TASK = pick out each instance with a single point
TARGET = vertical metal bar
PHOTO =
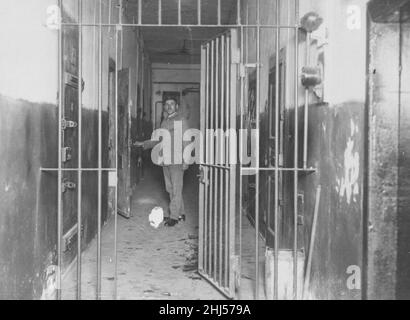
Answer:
(219, 12)
(199, 12)
(221, 153)
(206, 170)
(201, 184)
(59, 178)
(142, 82)
(233, 45)
(116, 165)
(211, 153)
(215, 158)
(277, 114)
(238, 14)
(160, 12)
(137, 73)
(79, 172)
(117, 31)
(227, 143)
(139, 12)
(295, 205)
(306, 111)
(242, 93)
(312, 242)
(98, 288)
(179, 13)
(257, 151)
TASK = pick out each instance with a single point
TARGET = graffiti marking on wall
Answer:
(348, 185)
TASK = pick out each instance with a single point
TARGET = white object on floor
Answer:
(156, 217)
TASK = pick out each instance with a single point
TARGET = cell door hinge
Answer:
(66, 154)
(67, 185)
(68, 124)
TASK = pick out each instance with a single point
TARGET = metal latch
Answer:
(66, 154)
(67, 185)
(68, 124)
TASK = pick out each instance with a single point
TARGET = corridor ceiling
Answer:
(179, 45)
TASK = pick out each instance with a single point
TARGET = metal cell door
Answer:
(70, 150)
(217, 191)
(124, 146)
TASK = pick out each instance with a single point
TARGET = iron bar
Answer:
(257, 153)
(137, 74)
(241, 102)
(232, 45)
(201, 183)
(238, 14)
(211, 153)
(249, 26)
(160, 12)
(221, 157)
(59, 179)
(279, 169)
(117, 31)
(312, 242)
(276, 200)
(199, 12)
(206, 170)
(98, 287)
(306, 111)
(79, 173)
(216, 106)
(139, 13)
(179, 13)
(142, 84)
(219, 13)
(296, 150)
(226, 160)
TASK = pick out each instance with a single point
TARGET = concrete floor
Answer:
(159, 263)
(152, 263)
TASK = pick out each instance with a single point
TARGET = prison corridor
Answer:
(152, 263)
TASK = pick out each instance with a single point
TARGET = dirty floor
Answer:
(152, 263)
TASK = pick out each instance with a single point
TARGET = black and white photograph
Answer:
(224, 151)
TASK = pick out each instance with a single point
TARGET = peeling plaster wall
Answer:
(389, 197)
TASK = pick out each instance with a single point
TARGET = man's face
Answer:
(170, 106)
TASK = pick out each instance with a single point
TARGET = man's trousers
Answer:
(174, 182)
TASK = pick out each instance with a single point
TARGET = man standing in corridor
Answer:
(174, 172)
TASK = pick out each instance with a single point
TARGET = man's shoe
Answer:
(170, 222)
(181, 217)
